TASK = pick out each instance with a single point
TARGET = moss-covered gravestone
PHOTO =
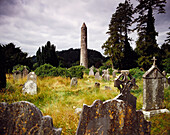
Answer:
(24, 118)
(153, 91)
(114, 117)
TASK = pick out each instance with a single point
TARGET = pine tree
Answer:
(2, 69)
(47, 55)
(117, 46)
(147, 46)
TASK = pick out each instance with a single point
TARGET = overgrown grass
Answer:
(56, 98)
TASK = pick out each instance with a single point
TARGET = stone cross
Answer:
(154, 61)
(124, 82)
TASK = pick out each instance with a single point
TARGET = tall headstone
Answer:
(153, 91)
(24, 118)
(30, 87)
(91, 72)
(83, 53)
(114, 117)
(97, 76)
(24, 72)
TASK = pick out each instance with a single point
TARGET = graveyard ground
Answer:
(56, 98)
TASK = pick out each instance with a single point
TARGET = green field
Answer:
(56, 98)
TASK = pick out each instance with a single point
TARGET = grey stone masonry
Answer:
(83, 53)
(30, 87)
(114, 117)
(153, 91)
(24, 118)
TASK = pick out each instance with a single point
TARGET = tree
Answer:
(2, 68)
(147, 46)
(14, 56)
(165, 54)
(47, 55)
(117, 46)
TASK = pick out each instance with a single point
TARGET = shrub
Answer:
(44, 70)
(19, 68)
(86, 71)
(136, 72)
(76, 71)
(110, 71)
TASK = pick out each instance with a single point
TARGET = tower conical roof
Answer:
(84, 25)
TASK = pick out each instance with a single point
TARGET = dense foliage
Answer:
(2, 68)
(47, 54)
(49, 70)
(147, 46)
(14, 56)
(136, 73)
(117, 47)
(19, 68)
(71, 57)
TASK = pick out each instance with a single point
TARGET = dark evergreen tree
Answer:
(47, 55)
(2, 68)
(117, 46)
(165, 54)
(14, 56)
(147, 46)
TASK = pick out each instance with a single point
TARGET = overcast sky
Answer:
(29, 24)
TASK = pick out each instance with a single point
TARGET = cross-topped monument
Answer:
(154, 61)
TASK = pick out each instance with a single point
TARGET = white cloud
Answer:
(31, 23)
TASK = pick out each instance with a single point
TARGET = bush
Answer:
(86, 71)
(44, 70)
(136, 72)
(76, 71)
(19, 68)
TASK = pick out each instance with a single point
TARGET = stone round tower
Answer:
(83, 53)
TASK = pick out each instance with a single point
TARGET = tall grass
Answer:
(59, 100)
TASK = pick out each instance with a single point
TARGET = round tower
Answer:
(83, 53)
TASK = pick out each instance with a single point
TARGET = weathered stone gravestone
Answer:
(24, 72)
(32, 76)
(91, 72)
(114, 74)
(17, 75)
(153, 91)
(24, 118)
(106, 75)
(74, 82)
(115, 116)
(30, 87)
(97, 76)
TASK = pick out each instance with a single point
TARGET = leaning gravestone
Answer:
(30, 86)
(114, 117)
(24, 118)
(74, 82)
(153, 91)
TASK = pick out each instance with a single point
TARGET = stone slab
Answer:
(149, 114)
(112, 117)
(24, 118)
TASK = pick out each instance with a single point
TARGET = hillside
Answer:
(71, 57)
